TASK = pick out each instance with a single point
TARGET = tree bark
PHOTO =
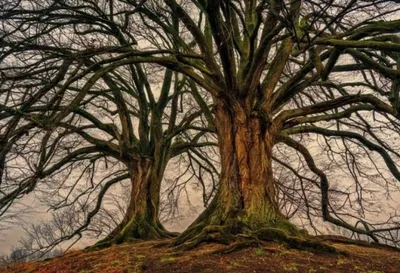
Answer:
(245, 202)
(141, 217)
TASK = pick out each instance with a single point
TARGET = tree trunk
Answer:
(245, 202)
(141, 218)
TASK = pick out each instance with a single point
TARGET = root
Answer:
(170, 234)
(134, 232)
(99, 245)
(305, 243)
(209, 234)
(166, 233)
(348, 241)
(187, 234)
(164, 243)
(237, 246)
(279, 236)
(234, 242)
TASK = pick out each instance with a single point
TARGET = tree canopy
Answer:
(303, 97)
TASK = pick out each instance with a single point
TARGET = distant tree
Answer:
(21, 254)
(18, 254)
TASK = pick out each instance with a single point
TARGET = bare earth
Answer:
(144, 257)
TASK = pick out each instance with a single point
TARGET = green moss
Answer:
(167, 259)
(341, 261)
(272, 234)
(310, 244)
(233, 265)
(259, 252)
(289, 228)
(284, 253)
(227, 227)
(99, 245)
(137, 228)
(292, 267)
(115, 262)
(140, 256)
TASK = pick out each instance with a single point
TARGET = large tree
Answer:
(275, 72)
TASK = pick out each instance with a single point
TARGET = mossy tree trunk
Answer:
(141, 218)
(246, 199)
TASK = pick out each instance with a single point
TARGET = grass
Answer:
(259, 252)
(167, 259)
(341, 261)
(284, 253)
(140, 256)
(143, 257)
(115, 262)
(292, 267)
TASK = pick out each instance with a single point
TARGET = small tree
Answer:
(79, 117)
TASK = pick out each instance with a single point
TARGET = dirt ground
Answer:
(147, 257)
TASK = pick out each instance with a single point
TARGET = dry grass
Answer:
(143, 257)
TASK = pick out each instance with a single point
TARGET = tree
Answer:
(18, 254)
(80, 118)
(273, 69)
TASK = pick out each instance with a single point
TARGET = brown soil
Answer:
(147, 257)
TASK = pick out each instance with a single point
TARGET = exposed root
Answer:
(187, 234)
(234, 242)
(210, 234)
(305, 243)
(170, 234)
(166, 233)
(345, 240)
(164, 243)
(99, 245)
(237, 246)
(134, 232)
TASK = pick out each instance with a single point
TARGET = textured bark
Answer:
(245, 202)
(141, 218)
